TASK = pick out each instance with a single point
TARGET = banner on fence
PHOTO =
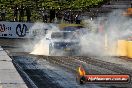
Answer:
(22, 29)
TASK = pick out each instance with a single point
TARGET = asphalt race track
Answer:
(60, 72)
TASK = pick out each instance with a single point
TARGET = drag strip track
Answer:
(40, 79)
(36, 77)
(74, 62)
(66, 62)
(25, 77)
(110, 66)
(70, 64)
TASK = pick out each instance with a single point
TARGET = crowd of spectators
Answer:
(61, 16)
(19, 13)
(3, 13)
(72, 17)
(22, 13)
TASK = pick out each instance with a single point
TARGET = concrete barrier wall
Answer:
(123, 48)
(129, 49)
(9, 77)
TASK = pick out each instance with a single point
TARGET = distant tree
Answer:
(35, 5)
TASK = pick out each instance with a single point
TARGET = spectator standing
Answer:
(28, 14)
(65, 17)
(78, 19)
(52, 15)
(45, 15)
(59, 16)
(71, 18)
(16, 13)
(68, 17)
(21, 13)
(3, 13)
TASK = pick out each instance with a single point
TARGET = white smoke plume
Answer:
(41, 46)
(115, 26)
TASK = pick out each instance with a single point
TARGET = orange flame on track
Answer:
(81, 71)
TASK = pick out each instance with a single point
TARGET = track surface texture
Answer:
(36, 68)
(60, 72)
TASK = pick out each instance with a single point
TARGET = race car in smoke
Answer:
(63, 43)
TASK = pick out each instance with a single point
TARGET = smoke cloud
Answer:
(94, 42)
(115, 27)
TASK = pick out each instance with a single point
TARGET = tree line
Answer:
(57, 4)
(36, 5)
